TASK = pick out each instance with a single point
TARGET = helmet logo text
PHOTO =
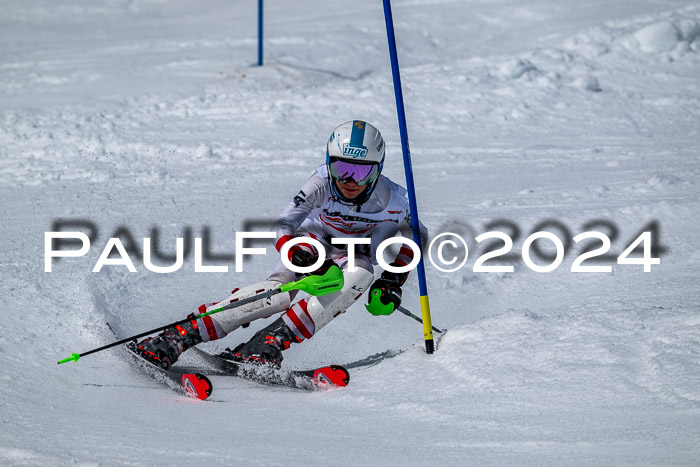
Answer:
(354, 152)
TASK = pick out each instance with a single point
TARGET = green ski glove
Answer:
(384, 297)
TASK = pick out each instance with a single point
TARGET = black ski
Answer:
(310, 380)
(378, 358)
(373, 359)
(195, 385)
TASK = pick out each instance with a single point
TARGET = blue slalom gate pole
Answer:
(424, 302)
(260, 32)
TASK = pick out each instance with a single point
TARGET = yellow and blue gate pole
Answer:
(415, 225)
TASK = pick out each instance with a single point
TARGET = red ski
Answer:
(195, 385)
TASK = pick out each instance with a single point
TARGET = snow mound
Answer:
(521, 367)
(587, 83)
(661, 180)
(516, 68)
(668, 35)
(590, 60)
(616, 355)
(671, 37)
(658, 37)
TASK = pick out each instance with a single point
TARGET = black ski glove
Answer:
(303, 255)
(303, 258)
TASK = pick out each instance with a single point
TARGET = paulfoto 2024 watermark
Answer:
(447, 252)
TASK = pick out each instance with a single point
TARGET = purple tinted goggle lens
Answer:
(361, 173)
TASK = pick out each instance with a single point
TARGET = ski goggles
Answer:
(344, 171)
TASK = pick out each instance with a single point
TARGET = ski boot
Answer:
(165, 348)
(265, 347)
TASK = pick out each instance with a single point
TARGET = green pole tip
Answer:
(73, 358)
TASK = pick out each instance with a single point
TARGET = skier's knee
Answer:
(309, 315)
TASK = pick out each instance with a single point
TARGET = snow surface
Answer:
(148, 113)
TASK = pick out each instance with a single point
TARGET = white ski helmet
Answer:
(355, 151)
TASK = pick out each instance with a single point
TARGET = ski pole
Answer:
(330, 282)
(408, 313)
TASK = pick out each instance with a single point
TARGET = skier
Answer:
(347, 197)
